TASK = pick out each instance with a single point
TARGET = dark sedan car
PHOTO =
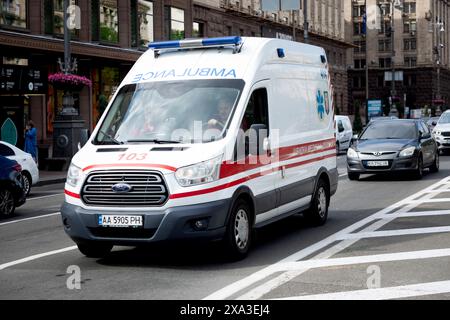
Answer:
(393, 145)
(12, 192)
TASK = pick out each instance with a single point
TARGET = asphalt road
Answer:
(390, 234)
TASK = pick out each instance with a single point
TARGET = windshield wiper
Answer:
(157, 141)
(114, 140)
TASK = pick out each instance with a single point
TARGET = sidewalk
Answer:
(51, 177)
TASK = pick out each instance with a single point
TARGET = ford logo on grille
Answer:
(121, 188)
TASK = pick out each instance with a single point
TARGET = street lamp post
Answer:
(393, 90)
(439, 30)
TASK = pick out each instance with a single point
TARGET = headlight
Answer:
(73, 175)
(351, 153)
(408, 152)
(200, 173)
(437, 133)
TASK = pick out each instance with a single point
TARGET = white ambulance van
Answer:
(206, 139)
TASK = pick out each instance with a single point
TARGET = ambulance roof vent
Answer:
(234, 42)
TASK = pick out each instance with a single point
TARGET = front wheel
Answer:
(239, 231)
(318, 212)
(26, 183)
(7, 205)
(94, 250)
(418, 174)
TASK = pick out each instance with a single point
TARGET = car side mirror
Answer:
(434, 123)
(341, 129)
(355, 137)
(257, 135)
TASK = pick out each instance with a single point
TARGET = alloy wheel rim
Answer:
(26, 184)
(6, 202)
(322, 202)
(241, 229)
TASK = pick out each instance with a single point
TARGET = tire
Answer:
(353, 176)
(418, 174)
(26, 183)
(238, 237)
(7, 204)
(94, 250)
(318, 212)
(435, 166)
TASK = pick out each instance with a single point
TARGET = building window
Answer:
(409, 7)
(410, 80)
(108, 21)
(384, 62)
(361, 46)
(357, 28)
(14, 13)
(198, 29)
(360, 63)
(409, 26)
(142, 28)
(54, 17)
(410, 61)
(358, 11)
(174, 23)
(384, 45)
(410, 44)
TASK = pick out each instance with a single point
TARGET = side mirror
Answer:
(258, 135)
(341, 129)
(434, 123)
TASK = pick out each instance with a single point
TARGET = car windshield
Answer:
(390, 130)
(193, 111)
(445, 118)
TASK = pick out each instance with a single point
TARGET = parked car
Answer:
(30, 171)
(12, 193)
(383, 118)
(395, 145)
(441, 131)
(344, 133)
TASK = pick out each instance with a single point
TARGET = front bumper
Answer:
(396, 164)
(443, 143)
(170, 224)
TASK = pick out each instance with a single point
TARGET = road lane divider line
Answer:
(394, 233)
(35, 257)
(353, 260)
(400, 292)
(434, 200)
(414, 214)
(242, 284)
(31, 218)
(44, 197)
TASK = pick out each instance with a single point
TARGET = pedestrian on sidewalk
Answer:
(31, 140)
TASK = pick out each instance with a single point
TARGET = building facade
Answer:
(412, 39)
(109, 36)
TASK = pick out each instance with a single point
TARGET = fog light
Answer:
(200, 225)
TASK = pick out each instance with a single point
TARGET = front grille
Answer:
(382, 153)
(147, 189)
(126, 233)
(445, 134)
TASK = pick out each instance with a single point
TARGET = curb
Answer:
(49, 182)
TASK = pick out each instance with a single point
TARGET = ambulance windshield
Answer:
(195, 111)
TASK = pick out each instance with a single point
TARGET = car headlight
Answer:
(351, 153)
(438, 133)
(73, 175)
(407, 152)
(200, 173)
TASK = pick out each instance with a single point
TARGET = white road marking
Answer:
(343, 175)
(260, 275)
(44, 197)
(345, 261)
(394, 233)
(32, 218)
(435, 200)
(35, 257)
(414, 290)
(413, 214)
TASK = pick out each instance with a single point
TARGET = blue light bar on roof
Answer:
(196, 43)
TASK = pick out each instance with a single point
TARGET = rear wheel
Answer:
(238, 235)
(353, 176)
(94, 250)
(435, 166)
(7, 205)
(26, 183)
(318, 212)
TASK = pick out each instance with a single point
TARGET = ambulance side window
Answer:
(256, 113)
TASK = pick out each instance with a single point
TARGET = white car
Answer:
(344, 133)
(30, 170)
(441, 132)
